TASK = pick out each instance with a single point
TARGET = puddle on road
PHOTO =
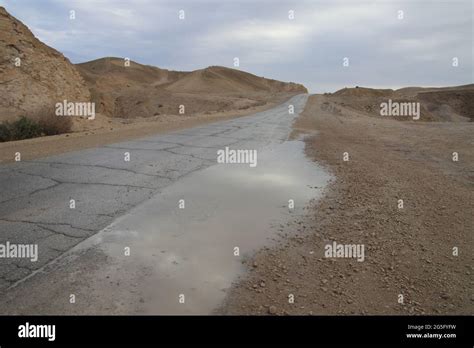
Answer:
(191, 251)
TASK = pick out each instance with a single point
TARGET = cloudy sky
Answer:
(384, 46)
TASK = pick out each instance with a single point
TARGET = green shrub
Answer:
(25, 128)
(5, 132)
(43, 122)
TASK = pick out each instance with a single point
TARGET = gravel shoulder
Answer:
(408, 251)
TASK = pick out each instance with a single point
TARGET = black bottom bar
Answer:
(135, 330)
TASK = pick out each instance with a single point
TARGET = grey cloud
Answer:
(383, 50)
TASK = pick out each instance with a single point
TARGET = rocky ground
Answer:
(408, 251)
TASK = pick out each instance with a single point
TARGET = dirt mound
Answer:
(118, 72)
(33, 75)
(449, 104)
(113, 81)
(363, 92)
(221, 80)
(138, 91)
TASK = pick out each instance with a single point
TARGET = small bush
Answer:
(43, 122)
(51, 124)
(5, 132)
(25, 128)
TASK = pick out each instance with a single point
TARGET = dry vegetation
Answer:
(41, 123)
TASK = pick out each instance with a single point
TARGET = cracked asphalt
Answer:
(35, 195)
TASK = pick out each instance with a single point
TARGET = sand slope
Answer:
(454, 104)
(113, 84)
(220, 80)
(138, 90)
(43, 78)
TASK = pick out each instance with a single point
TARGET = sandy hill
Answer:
(437, 104)
(113, 70)
(43, 78)
(363, 92)
(412, 91)
(118, 89)
(143, 91)
(219, 80)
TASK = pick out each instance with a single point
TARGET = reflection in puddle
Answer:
(191, 251)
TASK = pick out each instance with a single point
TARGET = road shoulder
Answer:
(409, 266)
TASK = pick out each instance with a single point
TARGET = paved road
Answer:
(36, 195)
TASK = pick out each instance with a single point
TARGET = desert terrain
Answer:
(418, 257)
(443, 104)
(409, 250)
(130, 99)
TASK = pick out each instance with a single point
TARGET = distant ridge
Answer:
(455, 103)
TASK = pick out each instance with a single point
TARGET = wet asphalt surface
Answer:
(107, 182)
